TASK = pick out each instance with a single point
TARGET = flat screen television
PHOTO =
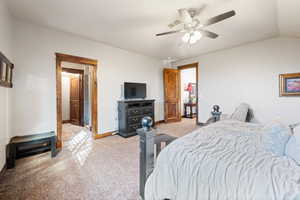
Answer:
(135, 90)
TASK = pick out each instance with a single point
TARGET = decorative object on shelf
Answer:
(6, 72)
(289, 84)
(216, 109)
(216, 112)
(216, 115)
(147, 123)
(191, 88)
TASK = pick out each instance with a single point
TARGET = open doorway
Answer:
(189, 91)
(76, 98)
(181, 93)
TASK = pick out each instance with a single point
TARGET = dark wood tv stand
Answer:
(130, 114)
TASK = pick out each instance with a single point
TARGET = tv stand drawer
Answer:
(133, 127)
(148, 110)
(134, 120)
(134, 112)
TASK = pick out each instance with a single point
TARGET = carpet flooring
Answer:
(85, 169)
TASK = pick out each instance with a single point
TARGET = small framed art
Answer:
(289, 84)
(6, 72)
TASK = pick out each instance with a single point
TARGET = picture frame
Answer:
(6, 71)
(289, 84)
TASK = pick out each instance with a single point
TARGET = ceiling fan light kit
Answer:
(193, 27)
(192, 37)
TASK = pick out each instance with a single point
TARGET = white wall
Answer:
(65, 84)
(34, 95)
(186, 76)
(249, 74)
(5, 48)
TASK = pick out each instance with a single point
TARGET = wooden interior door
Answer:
(76, 100)
(172, 95)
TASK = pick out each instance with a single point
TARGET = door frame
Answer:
(94, 101)
(81, 94)
(189, 66)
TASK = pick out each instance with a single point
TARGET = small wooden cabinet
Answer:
(131, 112)
(191, 113)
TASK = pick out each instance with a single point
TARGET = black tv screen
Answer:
(135, 90)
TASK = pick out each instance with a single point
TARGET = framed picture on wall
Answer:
(6, 72)
(289, 84)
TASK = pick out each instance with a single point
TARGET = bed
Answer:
(225, 160)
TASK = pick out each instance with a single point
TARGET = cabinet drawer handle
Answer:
(134, 119)
(135, 127)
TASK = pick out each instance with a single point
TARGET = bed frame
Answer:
(293, 126)
(150, 146)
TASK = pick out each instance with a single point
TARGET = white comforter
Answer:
(223, 161)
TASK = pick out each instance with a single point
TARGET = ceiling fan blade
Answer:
(185, 16)
(208, 34)
(196, 11)
(167, 33)
(219, 18)
(175, 23)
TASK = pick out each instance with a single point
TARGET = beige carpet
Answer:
(104, 169)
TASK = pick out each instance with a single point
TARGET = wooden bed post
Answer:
(146, 156)
(148, 141)
(293, 126)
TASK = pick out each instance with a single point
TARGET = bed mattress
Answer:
(225, 160)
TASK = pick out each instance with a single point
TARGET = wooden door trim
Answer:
(189, 66)
(81, 94)
(76, 59)
(94, 101)
(73, 71)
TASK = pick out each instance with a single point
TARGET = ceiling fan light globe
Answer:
(193, 40)
(197, 35)
(186, 37)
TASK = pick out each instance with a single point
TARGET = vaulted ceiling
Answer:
(132, 24)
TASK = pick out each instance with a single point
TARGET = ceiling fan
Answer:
(193, 27)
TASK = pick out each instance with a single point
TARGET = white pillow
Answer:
(240, 112)
(292, 149)
(275, 137)
(224, 117)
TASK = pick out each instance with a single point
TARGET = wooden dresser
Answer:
(131, 112)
